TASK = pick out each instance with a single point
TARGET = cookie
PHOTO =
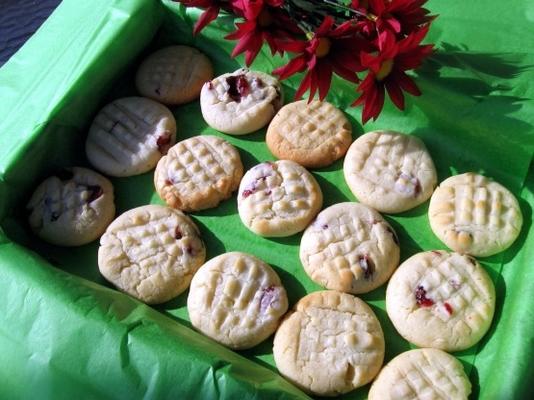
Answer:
(151, 253)
(441, 300)
(198, 173)
(71, 208)
(330, 344)
(278, 198)
(173, 75)
(349, 247)
(312, 134)
(240, 102)
(472, 214)
(129, 136)
(237, 300)
(421, 374)
(389, 171)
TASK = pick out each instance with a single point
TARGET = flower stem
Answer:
(342, 7)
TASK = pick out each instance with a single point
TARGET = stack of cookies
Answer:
(331, 342)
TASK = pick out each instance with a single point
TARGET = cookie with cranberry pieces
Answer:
(151, 253)
(389, 171)
(441, 300)
(474, 215)
(72, 208)
(330, 344)
(421, 374)
(237, 300)
(278, 198)
(198, 173)
(173, 75)
(129, 136)
(240, 102)
(349, 247)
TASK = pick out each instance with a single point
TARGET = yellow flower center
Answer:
(265, 18)
(323, 48)
(385, 70)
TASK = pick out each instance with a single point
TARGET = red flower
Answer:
(330, 50)
(264, 21)
(212, 8)
(386, 71)
(398, 16)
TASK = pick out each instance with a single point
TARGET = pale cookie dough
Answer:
(349, 247)
(472, 214)
(389, 171)
(129, 136)
(151, 253)
(72, 208)
(441, 300)
(278, 198)
(422, 374)
(198, 173)
(312, 134)
(237, 300)
(240, 102)
(330, 344)
(173, 75)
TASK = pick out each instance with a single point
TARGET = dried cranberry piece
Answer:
(246, 193)
(190, 250)
(163, 143)
(448, 307)
(367, 265)
(422, 300)
(178, 233)
(239, 87)
(168, 182)
(96, 192)
(268, 297)
(64, 175)
(210, 85)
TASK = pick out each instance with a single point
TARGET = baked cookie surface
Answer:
(389, 171)
(71, 208)
(472, 214)
(441, 300)
(331, 343)
(349, 247)
(237, 300)
(151, 252)
(198, 173)
(173, 75)
(129, 136)
(421, 374)
(278, 198)
(240, 102)
(313, 135)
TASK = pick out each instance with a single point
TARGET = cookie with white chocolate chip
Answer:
(72, 208)
(237, 300)
(331, 343)
(472, 214)
(151, 252)
(349, 247)
(389, 171)
(240, 102)
(441, 300)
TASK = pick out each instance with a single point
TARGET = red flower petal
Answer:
(407, 84)
(325, 26)
(324, 77)
(297, 64)
(205, 18)
(395, 93)
(304, 85)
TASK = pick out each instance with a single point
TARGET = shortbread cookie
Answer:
(198, 173)
(441, 300)
(278, 198)
(240, 102)
(330, 344)
(151, 253)
(312, 134)
(349, 247)
(472, 214)
(389, 171)
(421, 374)
(72, 208)
(129, 136)
(237, 300)
(173, 75)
